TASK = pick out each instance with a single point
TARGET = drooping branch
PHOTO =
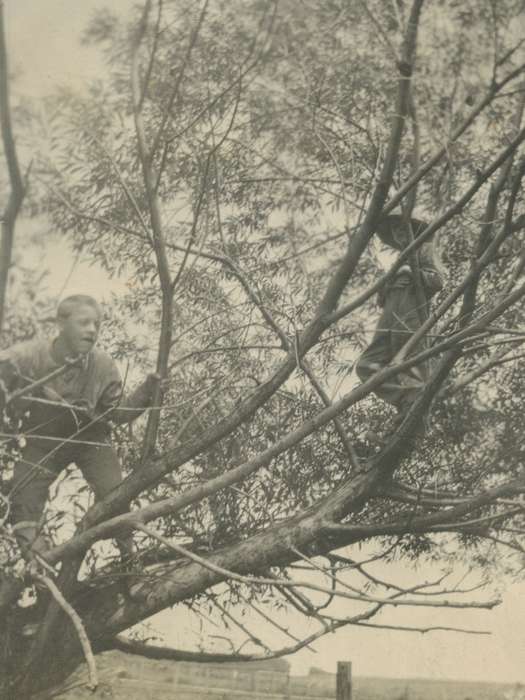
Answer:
(329, 627)
(353, 593)
(172, 582)
(268, 618)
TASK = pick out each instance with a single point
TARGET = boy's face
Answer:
(80, 329)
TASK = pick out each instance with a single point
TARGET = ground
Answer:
(124, 677)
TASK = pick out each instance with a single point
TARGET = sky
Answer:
(44, 52)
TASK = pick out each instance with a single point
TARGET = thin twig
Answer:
(78, 625)
(44, 380)
(257, 580)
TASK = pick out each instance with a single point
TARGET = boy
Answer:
(401, 316)
(66, 419)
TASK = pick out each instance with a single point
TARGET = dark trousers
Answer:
(398, 322)
(48, 453)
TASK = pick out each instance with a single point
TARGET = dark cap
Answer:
(392, 228)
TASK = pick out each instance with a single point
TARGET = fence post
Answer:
(344, 680)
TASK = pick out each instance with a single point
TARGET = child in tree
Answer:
(402, 314)
(66, 419)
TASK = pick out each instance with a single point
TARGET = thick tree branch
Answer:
(17, 192)
(441, 518)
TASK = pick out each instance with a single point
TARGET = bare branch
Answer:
(493, 90)
(77, 623)
(159, 244)
(440, 519)
(490, 215)
(18, 189)
(269, 619)
(359, 241)
(150, 651)
(423, 630)
(153, 54)
(495, 360)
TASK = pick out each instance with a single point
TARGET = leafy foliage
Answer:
(266, 128)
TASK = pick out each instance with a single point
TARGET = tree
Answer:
(17, 186)
(234, 168)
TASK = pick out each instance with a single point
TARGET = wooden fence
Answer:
(215, 682)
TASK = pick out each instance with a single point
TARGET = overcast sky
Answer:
(44, 48)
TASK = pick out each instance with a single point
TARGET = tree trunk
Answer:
(16, 195)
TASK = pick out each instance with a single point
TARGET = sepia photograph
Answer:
(262, 350)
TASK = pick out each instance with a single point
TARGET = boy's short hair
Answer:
(67, 305)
